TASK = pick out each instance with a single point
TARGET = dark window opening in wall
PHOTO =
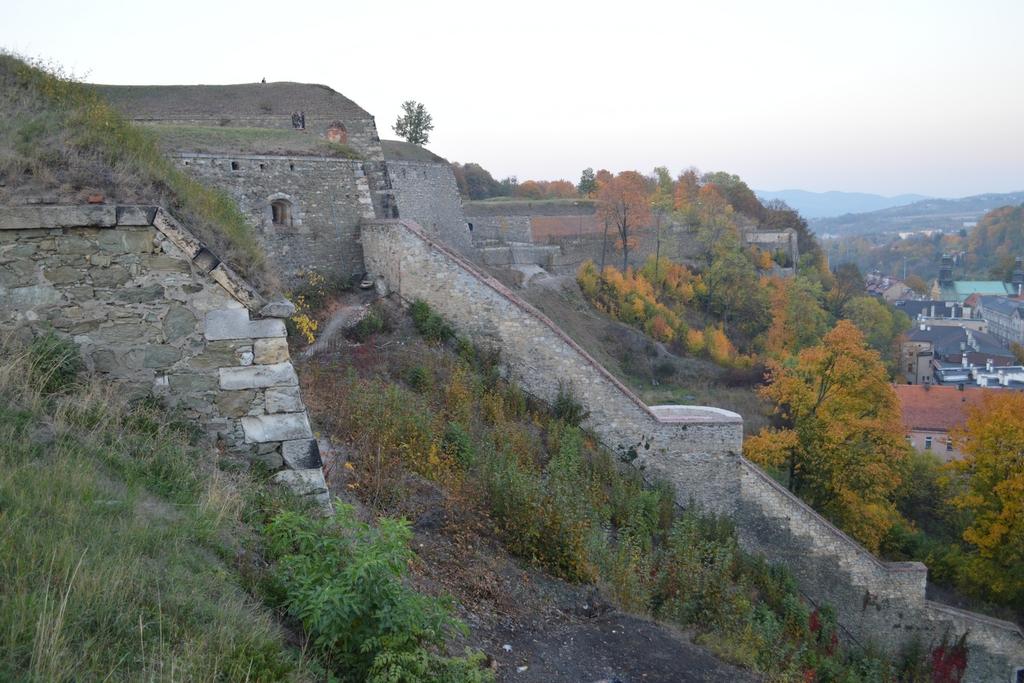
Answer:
(187, 163)
(927, 443)
(263, 167)
(234, 165)
(291, 167)
(470, 226)
(281, 212)
(949, 444)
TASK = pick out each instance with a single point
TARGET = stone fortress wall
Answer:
(695, 448)
(326, 197)
(155, 311)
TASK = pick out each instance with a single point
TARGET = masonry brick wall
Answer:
(148, 310)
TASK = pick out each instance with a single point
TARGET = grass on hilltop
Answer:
(60, 140)
(228, 139)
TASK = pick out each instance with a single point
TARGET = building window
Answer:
(927, 443)
(281, 212)
(234, 165)
(949, 444)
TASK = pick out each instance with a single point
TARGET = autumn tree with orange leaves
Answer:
(841, 444)
(992, 475)
(623, 202)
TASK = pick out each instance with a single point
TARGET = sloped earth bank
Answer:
(534, 628)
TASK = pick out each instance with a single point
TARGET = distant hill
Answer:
(945, 214)
(826, 204)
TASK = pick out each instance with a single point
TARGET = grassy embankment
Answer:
(127, 552)
(59, 139)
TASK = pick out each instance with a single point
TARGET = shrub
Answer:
(567, 407)
(54, 363)
(419, 378)
(344, 580)
(429, 324)
(369, 325)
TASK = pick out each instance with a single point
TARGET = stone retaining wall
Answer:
(155, 311)
(697, 449)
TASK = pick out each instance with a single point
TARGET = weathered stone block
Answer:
(270, 457)
(101, 260)
(73, 244)
(33, 217)
(135, 215)
(160, 356)
(185, 383)
(301, 454)
(302, 482)
(231, 323)
(63, 275)
(29, 297)
(139, 295)
(235, 403)
(178, 322)
(234, 323)
(283, 400)
(115, 276)
(272, 350)
(217, 354)
(280, 427)
(258, 377)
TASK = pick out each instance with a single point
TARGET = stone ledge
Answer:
(280, 427)
(258, 376)
(58, 216)
(234, 323)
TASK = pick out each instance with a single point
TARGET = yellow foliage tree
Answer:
(842, 446)
(993, 476)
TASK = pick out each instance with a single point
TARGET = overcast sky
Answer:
(888, 97)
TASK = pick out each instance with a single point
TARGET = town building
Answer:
(931, 413)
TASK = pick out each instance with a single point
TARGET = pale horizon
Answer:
(922, 98)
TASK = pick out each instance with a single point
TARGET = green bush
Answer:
(54, 363)
(343, 579)
(429, 324)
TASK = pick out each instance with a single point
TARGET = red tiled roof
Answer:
(935, 408)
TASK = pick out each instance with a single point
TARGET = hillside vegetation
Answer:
(437, 409)
(129, 553)
(59, 141)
